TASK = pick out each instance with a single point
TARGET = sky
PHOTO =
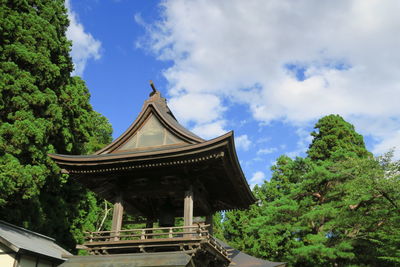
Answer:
(266, 69)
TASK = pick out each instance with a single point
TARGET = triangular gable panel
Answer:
(155, 127)
(151, 134)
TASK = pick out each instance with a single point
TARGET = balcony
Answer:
(189, 239)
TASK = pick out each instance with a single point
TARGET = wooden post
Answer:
(149, 224)
(209, 220)
(117, 217)
(188, 208)
(143, 235)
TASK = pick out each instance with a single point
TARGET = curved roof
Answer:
(150, 153)
(155, 106)
(155, 148)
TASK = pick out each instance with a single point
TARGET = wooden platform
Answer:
(188, 239)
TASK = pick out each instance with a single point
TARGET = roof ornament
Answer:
(153, 87)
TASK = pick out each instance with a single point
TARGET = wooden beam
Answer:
(117, 217)
(188, 208)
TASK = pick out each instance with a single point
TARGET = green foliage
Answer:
(334, 138)
(218, 230)
(43, 110)
(336, 207)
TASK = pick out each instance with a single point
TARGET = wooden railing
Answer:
(194, 231)
(144, 239)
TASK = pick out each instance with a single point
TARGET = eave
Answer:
(218, 152)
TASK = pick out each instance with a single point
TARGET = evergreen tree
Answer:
(336, 207)
(335, 138)
(370, 218)
(43, 110)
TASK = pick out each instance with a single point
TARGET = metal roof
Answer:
(18, 238)
(241, 259)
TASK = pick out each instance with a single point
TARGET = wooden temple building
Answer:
(160, 171)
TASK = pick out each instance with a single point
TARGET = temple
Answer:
(159, 171)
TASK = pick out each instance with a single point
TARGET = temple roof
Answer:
(157, 158)
(155, 117)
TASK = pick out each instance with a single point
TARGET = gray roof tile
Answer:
(18, 238)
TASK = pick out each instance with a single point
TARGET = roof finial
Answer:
(152, 87)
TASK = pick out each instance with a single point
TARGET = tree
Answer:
(334, 138)
(371, 217)
(269, 229)
(335, 207)
(43, 110)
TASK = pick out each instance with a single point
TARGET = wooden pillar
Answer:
(117, 217)
(188, 208)
(209, 220)
(149, 224)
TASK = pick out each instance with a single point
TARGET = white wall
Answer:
(6, 256)
(29, 261)
(7, 259)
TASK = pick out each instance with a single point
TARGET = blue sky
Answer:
(266, 69)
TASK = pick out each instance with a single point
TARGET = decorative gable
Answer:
(155, 127)
(151, 134)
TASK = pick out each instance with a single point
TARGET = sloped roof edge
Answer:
(21, 239)
(221, 143)
(156, 105)
(107, 158)
(241, 259)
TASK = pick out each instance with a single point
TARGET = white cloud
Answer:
(392, 142)
(243, 142)
(257, 178)
(287, 60)
(84, 45)
(264, 140)
(385, 131)
(303, 142)
(265, 151)
(199, 108)
(205, 111)
(210, 130)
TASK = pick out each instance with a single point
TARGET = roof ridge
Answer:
(157, 98)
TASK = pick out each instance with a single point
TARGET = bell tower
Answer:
(159, 170)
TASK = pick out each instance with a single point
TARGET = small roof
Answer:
(156, 159)
(241, 259)
(20, 239)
